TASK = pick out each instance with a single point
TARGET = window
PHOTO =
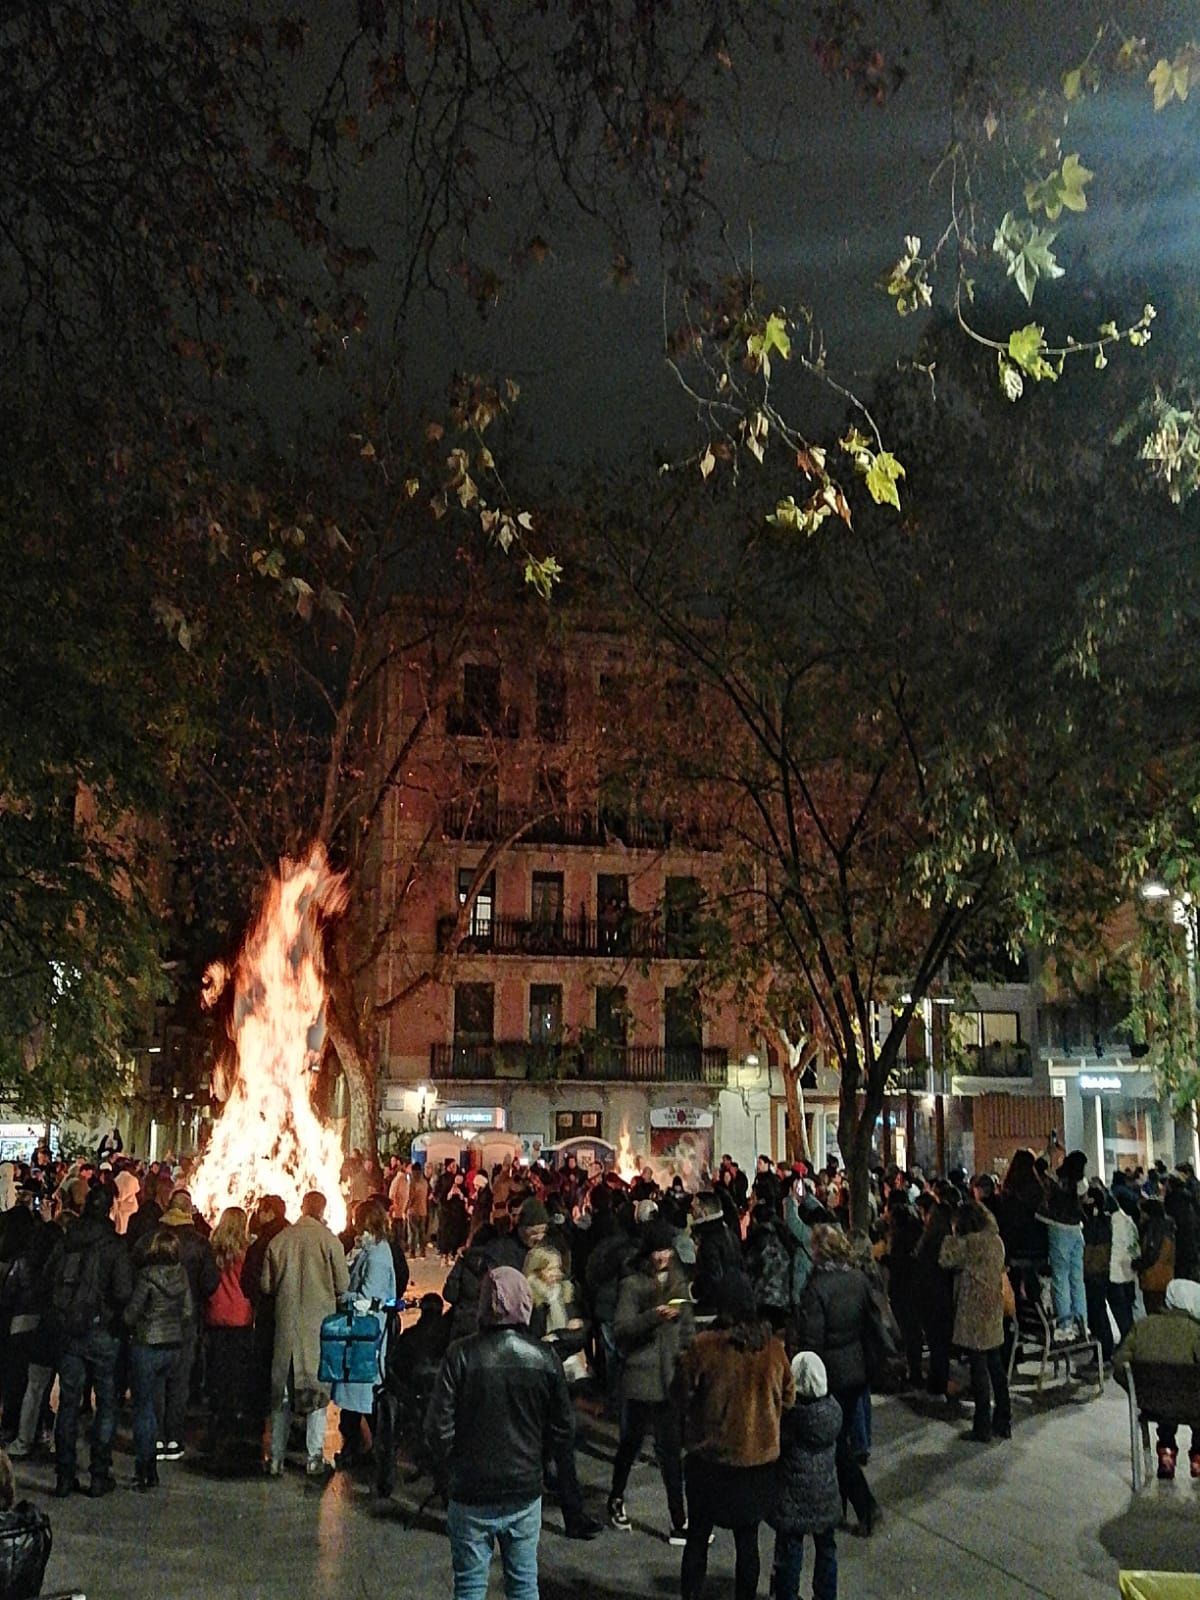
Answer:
(479, 711)
(484, 907)
(614, 705)
(612, 1017)
(551, 718)
(975, 1028)
(576, 1125)
(480, 802)
(612, 912)
(681, 919)
(474, 1009)
(547, 899)
(545, 1013)
(682, 1023)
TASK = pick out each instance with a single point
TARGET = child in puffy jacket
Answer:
(809, 1499)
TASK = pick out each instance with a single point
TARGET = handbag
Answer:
(1007, 1296)
(349, 1348)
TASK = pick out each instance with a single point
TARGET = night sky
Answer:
(819, 190)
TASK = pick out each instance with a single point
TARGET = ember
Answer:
(269, 1139)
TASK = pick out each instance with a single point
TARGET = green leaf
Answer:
(882, 476)
(772, 336)
(542, 574)
(1073, 83)
(1026, 347)
(1062, 189)
(1026, 250)
(1012, 384)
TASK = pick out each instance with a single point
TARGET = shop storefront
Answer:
(1113, 1112)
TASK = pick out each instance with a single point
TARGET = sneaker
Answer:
(171, 1451)
(318, 1467)
(1167, 1456)
(273, 1469)
(18, 1450)
(678, 1536)
(618, 1517)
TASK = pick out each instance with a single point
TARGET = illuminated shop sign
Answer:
(1092, 1084)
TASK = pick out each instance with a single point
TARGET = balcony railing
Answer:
(999, 1061)
(595, 829)
(596, 1062)
(633, 934)
(464, 720)
(909, 1079)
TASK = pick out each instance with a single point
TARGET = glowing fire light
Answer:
(269, 1140)
(627, 1164)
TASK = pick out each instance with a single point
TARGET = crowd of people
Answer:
(743, 1327)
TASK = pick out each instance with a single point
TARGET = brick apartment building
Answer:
(553, 906)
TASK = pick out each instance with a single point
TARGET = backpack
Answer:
(76, 1299)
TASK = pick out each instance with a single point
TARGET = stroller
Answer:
(410, 1371)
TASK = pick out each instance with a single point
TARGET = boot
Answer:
(1167, 1456)
(145, 1475)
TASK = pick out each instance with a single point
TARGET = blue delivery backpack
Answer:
(349, 1348)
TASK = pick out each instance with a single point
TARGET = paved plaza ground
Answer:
(1051, 1513)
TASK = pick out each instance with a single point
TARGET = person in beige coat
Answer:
(305, 1270)
(975, 1254)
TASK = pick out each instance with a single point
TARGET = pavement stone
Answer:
(1049, 1514)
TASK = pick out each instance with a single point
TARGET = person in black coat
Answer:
(933, 1290)
(834, 1320)
(1181, 1208)
(718, 1252)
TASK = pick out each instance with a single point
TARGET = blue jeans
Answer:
(1066, 1275)
(149, 1365)
(90, 1359)
(474, 1530)
(789, 1563)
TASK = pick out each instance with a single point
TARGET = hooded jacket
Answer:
(116, 1276)
(161, 1308)
(808, 1501)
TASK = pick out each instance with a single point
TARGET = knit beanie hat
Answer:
(533, 1214)
(505, 1299)
(808, 1370)
(658, 1234)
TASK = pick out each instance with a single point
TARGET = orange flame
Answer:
(269, 1139)
(627, 1163)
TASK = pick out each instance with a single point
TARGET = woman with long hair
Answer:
(735, 1381)
(157, 1317)
(975, 1253)
(372, 1277)
(229, 1320)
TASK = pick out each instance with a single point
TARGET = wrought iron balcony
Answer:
(594, 1062)
(631, 934)
(595, 830)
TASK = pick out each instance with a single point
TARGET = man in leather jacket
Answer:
(499, 1408)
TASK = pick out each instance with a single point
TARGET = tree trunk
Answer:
(799, 1058)
(356, 1065)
